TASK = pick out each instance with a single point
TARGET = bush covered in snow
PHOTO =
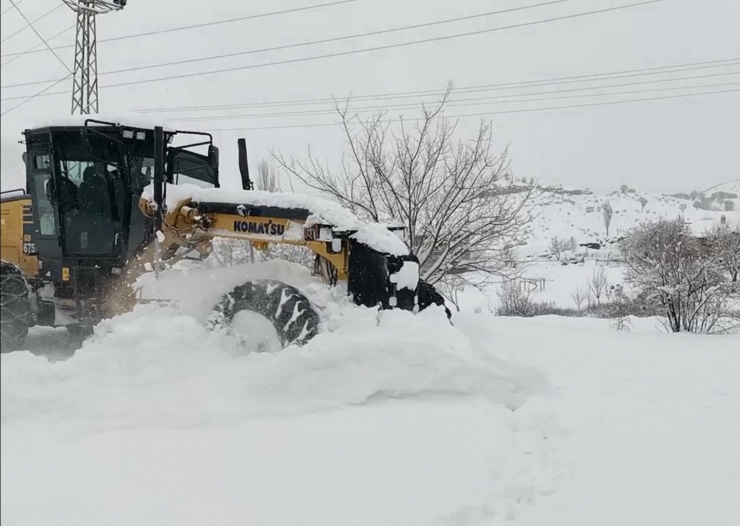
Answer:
(680, 275)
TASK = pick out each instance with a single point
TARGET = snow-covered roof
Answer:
(135, 120)
(381, 239)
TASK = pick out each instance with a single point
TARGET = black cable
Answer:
(39, 94)
(205, 24)
(28, 24)
(336, 39)
(10, 8)
(19, 55)
(304, 44)
(486, 114)
(472, 89)
(366, 50)
(477, 101)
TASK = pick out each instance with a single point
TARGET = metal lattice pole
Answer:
(85, 73)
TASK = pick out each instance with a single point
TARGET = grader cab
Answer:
(105, 202)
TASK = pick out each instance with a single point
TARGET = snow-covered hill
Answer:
(576, 213)
(576, 217)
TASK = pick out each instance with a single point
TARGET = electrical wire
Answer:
(488, 114)
(309, 43)
(206, 24)
(336, 39)
(679, 68)
(28, 24)
(19, 55)
(10, 8)
(371, 49)
(476, 101)
(39, 94)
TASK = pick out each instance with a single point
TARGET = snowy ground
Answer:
(397, 419)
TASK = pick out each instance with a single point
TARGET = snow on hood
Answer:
(325, 211)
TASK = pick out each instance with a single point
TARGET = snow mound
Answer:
(159, 367)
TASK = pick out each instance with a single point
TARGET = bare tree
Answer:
(643, 203)
(619, 311)
(579, 296)
(674, 272)
(724, 243)
(598, 284)
(608, 212)
(461, 214)
(557, 247)
(267, 179)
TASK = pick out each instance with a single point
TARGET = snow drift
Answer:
(158, 366)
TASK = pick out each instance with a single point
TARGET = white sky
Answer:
(656, 146)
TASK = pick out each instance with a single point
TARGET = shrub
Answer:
(679, 276)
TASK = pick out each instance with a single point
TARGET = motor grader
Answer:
(106, 202)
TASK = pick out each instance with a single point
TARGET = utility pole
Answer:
(85, 74)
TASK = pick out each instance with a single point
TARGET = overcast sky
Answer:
(657, 146)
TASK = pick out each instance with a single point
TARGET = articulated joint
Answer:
(190, 213)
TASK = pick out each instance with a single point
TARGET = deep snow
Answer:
(381, 419)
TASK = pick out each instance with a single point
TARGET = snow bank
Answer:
(326, 211)
(159, 367)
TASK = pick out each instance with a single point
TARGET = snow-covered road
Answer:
(402, 421)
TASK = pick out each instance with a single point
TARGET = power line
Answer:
(678, 68)
(39, 94)
(206, 24)
(371, 49)
(475, 101)
(10, 8)
(19, 55)
(337, 39)
(28, 24)
(312, 42)
(487, 114)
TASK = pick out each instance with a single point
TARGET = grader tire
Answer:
(292, 315)
(15, 308)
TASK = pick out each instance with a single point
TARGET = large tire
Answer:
(16, 315)
(294, 318)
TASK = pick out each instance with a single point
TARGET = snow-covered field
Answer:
(390, 419)
(578, 218)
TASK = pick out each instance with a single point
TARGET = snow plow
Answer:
(106, 202)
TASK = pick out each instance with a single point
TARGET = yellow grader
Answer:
(106, 202)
